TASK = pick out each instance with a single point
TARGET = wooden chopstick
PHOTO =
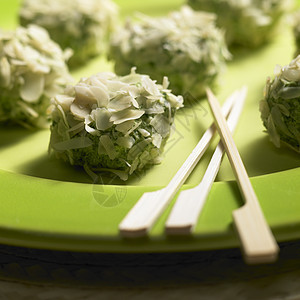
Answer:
(189, 203)
(151, 205)
(258, 242)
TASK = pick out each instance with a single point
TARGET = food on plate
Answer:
(185, 46)
(110, 123)
(32, 70)
(81, 25)
(280, 108)
(248, 23)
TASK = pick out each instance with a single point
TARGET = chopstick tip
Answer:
(208, 91)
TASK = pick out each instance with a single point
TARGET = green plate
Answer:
(48, 204)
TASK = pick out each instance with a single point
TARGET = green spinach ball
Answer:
(185, 46)
(32, 70)
(116, 124)
(82, 26)
(280, 108)
(248, 23)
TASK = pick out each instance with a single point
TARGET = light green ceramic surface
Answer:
(47, 204)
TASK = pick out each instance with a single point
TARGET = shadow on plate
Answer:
(264, 158)
(48, 167)
(239, 52)
(12, 134)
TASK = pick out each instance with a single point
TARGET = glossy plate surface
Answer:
(48, 204)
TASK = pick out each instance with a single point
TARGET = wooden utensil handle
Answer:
(255, 235)
(258, 243)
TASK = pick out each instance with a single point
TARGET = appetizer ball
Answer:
(185, 46)
(280, 108)
(247, 23)
(107, 123)
(81, 25)
(32, 71)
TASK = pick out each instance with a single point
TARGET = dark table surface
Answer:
(219, 274)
